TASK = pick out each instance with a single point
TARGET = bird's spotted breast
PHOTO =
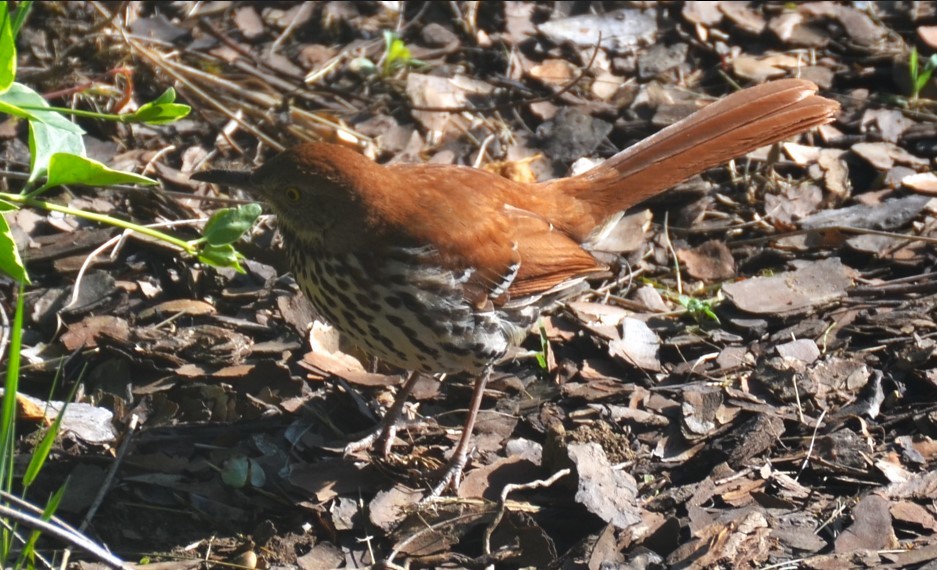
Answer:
(406, 312)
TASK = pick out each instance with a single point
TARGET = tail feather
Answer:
(721, 131)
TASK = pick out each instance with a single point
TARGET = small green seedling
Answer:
(541, 355)
(699, 309)
(396, 54)
(920, 75)
(225, 227)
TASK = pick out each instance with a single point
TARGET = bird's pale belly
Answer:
(414, 317)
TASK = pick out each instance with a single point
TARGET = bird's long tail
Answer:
(721, 131)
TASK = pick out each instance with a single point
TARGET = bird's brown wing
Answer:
(482, 221)
(549, 258)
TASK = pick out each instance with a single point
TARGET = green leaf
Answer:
(541, 360)
(54, 501)
(23, 102)
(221, 256)
(7, 49)
(235, 472)
(541, 355)
(161, 110)
(41, 453)
(926, 74)
(239, 471)
(19, 17)
(45, 142)
(11, 387)
(227, 225)
(396, 53)
(66, 168)
(167, 96)
(52, 505)
(10, 261)
(49, 132)
(931, 64)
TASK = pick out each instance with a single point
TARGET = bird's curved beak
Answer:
(234, 178)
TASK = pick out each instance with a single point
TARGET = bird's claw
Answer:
(385, 432)
(451, 477)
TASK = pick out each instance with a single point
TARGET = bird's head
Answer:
(312, 188)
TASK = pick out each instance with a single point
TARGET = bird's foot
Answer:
(451, 476)
(386, 430)
(383, 433)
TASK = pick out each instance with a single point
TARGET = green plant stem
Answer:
(102, 218)
(8, 415)
(128, 118)
(19, 16)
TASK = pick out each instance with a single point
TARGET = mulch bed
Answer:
(755, 386)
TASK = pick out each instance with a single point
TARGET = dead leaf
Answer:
(638, 345)
(610, 494)
(884, 155)
(516, 170)
(871, 528)
(191, 307)
(791, 292)
(924, 183)
(710, 261)
(442, 92)
(85, 333)
(554, 72)
(760, 69)
(389, 507)
(698, 410)
(743, 16)
(706, 13)
(489, 480)
(620, 30)
(803, 349)
(928, 35)
(793, 29)
(913, 513)
(248, 22)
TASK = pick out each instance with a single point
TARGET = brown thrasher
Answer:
(440, 268)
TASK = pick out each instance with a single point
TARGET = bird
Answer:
(444, 268)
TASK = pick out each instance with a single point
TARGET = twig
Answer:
(14, 175)
(108, 481)
(673, 252)
(429, 528)
(502, 502)
(4, 331)
(159, 154)
(300, 14)
(116, 241)
(171, 70)
(111, 473)
(57, 528)
(845, 229)
(813, 440)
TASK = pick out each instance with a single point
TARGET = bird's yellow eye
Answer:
(292, 194)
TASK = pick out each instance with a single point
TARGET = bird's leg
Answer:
(386, 429)
(453, 473)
